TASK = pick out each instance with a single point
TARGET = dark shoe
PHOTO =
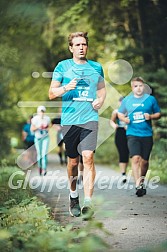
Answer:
(124, 179)
(87, 210)
(40, 171)
(140, 190)
(144, 189)
(45, 173)
(74, 207)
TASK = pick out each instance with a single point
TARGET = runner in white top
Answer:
(40, 124)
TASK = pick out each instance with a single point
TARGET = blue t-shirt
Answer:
(30, 134)
(135, 109)
(77, 104)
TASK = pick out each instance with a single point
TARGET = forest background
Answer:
(34, 39)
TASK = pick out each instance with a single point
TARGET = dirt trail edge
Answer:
(134, 222)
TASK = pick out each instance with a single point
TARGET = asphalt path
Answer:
(133, 222)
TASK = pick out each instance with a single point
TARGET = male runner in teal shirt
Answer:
(137, 110)
(80, 82)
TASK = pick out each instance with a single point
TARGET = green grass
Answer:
(158, 160)
(27, 225)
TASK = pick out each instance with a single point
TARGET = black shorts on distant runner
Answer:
(121, 144)
(78, 138)
(28, 144)
(140, 146)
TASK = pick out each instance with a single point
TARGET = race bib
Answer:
(83, 90)
(138, 117)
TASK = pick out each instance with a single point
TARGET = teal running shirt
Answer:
(135, 109)
(77, 104)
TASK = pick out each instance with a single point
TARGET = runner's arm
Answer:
(123, 118)
(152, 116)
(33, 127)
(24, 135)
(56, 90)
(113, 119)
(101, 95)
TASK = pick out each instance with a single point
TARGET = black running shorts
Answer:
(122, 145)
(140, 146)
(78, 138)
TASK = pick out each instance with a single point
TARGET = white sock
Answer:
(87, 199)
(73, 194)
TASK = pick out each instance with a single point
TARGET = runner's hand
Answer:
(127, 120)
(71, 85)
(97, 104)
(147, 116)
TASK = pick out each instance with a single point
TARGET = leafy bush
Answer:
(26, 224)
(158, 161)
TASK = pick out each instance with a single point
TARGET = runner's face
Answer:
(79, 48)
(138, 88)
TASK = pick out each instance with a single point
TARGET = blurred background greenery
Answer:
(34, 39)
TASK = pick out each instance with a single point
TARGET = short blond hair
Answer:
(77, 34)
(140, 79)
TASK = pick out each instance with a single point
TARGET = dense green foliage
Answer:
(34, 39)
(158, 161)
(27, 225)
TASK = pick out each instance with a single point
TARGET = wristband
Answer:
(64, 88)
